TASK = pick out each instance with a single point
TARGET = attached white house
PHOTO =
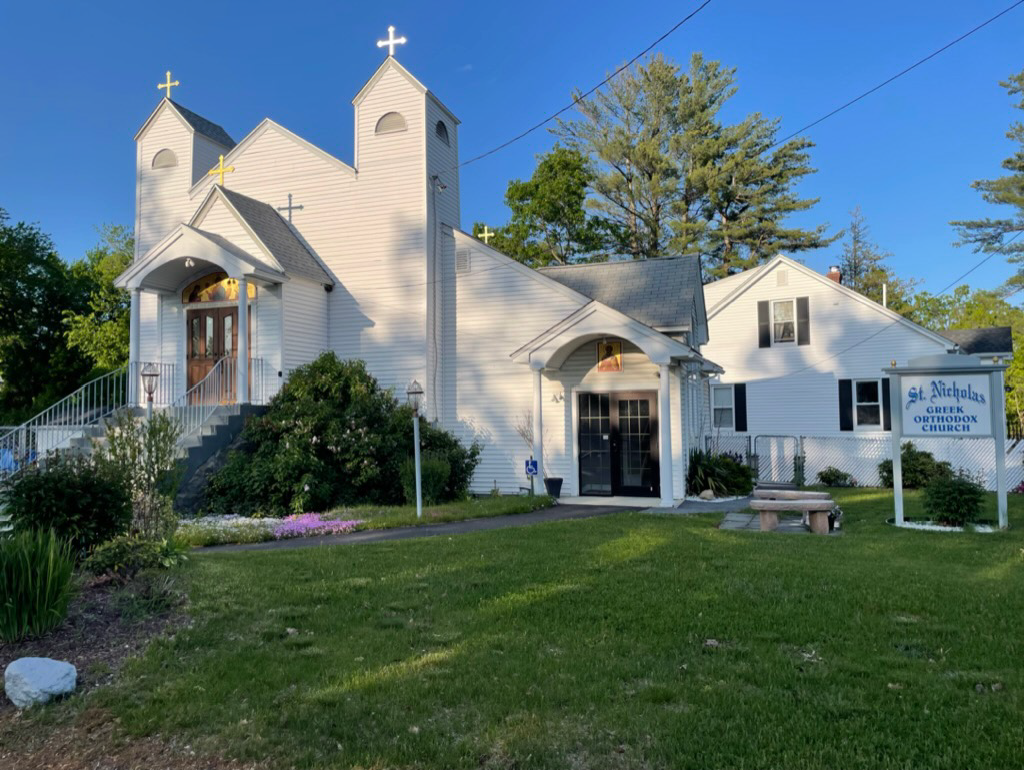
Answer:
(283, 251)
(803, 356)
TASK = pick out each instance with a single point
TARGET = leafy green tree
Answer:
(993, 235)
(672, 177)
(549, 222)
(101, 330)
(863, 267)
(36, 365)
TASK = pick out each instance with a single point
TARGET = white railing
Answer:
(218, 388)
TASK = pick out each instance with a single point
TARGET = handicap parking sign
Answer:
(531, 467)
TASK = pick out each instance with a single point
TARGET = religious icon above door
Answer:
(215, 287)
(609, 356)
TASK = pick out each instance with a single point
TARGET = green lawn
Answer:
(629, 641)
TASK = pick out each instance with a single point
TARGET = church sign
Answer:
(946, 406)
(948, 396)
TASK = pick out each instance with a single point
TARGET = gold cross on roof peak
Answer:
(169, 84)
(485, 235)
(221, 170)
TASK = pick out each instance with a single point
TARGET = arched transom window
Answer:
(215, 287)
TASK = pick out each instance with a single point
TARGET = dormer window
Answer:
(442, 132)
(165, 159)
(390, 123)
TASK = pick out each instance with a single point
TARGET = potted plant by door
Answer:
(553, 485)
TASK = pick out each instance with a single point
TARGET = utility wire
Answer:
(583, 96)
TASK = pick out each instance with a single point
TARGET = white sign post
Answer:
(948, 396)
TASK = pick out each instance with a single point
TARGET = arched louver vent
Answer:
(442, 131)
(389, 123)
(165, 159)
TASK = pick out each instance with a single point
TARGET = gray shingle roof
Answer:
(994, 339)
(205, 127)
(278, 237)
(656, 292)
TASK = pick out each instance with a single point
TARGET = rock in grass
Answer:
(707, 494)
(31, 681)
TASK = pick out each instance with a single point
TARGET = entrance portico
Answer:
(622, 419)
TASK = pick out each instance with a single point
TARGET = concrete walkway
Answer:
(557, 513)
(706, 506)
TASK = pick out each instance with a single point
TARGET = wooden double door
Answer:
(212, 336)
(618, 444)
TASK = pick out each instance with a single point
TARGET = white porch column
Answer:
(665, 435)
(242, 362)
(134, 345)
(538, 426)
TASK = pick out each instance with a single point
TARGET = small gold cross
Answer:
(485, 235)
(221, 170)
(168, 85)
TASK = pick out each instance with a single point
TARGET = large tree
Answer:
(36, 365)
(863, 267)
(994, 235)
(101, 330)
(550, 223)
(672, 177)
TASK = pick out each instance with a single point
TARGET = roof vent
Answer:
(463, 261)
(782, 277)
(389, 123)
(442, 132)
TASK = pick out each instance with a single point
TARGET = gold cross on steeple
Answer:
(221, 170)
(169, 84)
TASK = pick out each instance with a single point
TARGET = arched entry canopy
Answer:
(594, 321)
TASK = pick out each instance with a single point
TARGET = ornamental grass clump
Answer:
(36, 567)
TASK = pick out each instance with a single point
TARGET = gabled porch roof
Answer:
(594, 321)
(186, 252)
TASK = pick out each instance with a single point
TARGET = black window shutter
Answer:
(739, 405)
(846, 405)
(886, 407)
(803, 321)
(764, 326)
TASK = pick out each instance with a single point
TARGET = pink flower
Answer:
(309, 524)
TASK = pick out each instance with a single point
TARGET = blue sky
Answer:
(78, 80)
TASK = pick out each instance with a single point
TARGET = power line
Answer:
(583, 96)
(892, 323)
(899, 74)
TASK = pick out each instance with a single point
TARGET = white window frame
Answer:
(731, 407)
(792, 303)
(856, 415)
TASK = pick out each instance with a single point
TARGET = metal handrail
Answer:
(196, 405)
(54, 427)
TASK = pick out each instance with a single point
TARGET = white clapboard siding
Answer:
(501, 305)
(162, 194)
(268, 320)
(205, 156)
(149, 331)
(218, 218)
(305, 322)
(793, 389)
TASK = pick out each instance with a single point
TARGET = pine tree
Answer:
(863, 267)
(993, 235)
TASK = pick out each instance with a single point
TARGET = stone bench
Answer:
(817, 509)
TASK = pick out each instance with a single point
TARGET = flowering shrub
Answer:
(332, 437)
(1018, 490)
(217, 530)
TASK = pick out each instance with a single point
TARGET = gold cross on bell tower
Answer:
(221, 170)
(169, 84)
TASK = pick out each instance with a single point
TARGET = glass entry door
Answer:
(212, 334)
(618, 444)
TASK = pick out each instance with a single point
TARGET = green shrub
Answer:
(721, 473)
(332, 437)
(955, 499)
(126, 555)
(79, 501)
(35, 583)
(919, 468)
(435, 472)
(833, 477)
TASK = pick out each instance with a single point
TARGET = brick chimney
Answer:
(835, 274)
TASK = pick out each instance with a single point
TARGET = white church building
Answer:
(283, 251)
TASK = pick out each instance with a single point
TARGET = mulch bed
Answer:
(99, 635)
